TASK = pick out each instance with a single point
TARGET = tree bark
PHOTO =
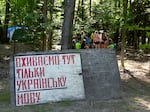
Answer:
(50, 38)
(45, 21)
(90, 8)
(6, 22)
(68, 24)
(1, 31)
(125, 5)
(143, 37)
(82, 11)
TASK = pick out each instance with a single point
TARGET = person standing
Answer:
(78, 45)
(103, 42)
(96, 39)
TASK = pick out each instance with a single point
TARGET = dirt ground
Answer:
(135, 83)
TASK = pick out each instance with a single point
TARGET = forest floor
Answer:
(135, 83)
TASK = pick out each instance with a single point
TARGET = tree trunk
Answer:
(143, 37)
(1, 31)
(78, 9)
(116, 35)
(45, 21)
(82, 14)
(68, 24)
(50, 36)
(90, 8)
(125, 4)
(135, 39)
(123, 49)
(6, 22)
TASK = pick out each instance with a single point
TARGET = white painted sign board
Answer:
(48, 78)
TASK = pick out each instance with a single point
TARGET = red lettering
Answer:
(50, 85)
(68, 59)
(61, 81)
(24, 86)
(72, 57)
(63, 57)
(45, 60)
(31, 61)
(29, 83)
(55, 84)
(19, 99)
(23, 62)
(17, 62)
(40, 62)
(18, 73)
(30, 73)
(34, 61)
(18, 85)
(35, 73)
(38, 97)
(32, 98)
(42, 71)
(25, 98)
(26, 73)
(55, 60)
(36, 84)
(28, 98)
(44, 83)
(64, 81)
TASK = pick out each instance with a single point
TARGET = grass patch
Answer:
(145, 47)
(5, 97)
(66, 102)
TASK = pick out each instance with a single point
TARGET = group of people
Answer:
(97, 39)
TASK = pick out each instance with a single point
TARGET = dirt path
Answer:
(135, 82)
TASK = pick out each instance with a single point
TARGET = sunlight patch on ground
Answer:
(6, 58)
(7, 46)
(143, 103)
(138, 69)
(130, 64)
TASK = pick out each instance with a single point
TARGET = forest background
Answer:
(126, 21)
(123, 20)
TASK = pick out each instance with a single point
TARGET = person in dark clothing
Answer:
(83, 44)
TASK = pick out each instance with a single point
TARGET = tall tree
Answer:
(1, 31)
(68, 24)
(45, 9)
(82, 10)
(123, 31)
(90, 8)
(7, 17)
(50, 35)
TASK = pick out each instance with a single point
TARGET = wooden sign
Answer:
(46, 78)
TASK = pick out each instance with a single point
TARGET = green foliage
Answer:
(106, 15)
(148, 34)
(136, 27)
(144, 46)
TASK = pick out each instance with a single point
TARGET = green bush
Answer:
(144, 46)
